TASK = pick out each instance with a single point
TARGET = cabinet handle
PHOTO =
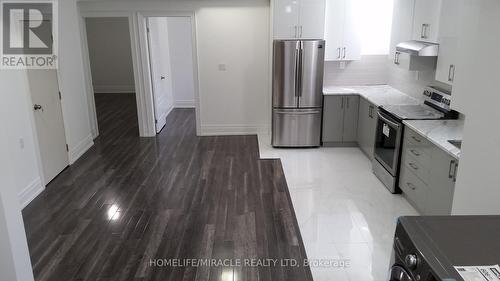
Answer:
(413, 166)
(455, 172)
(450, 170)
(344, 51)
(300, 31)
(338, 53)
(451, 73)
(416, 139)
(370, 114)
(347, 102)
(411, 186)
(396, 58)
(295, 31)
(423, 32)
(342, 103)
(414, 152)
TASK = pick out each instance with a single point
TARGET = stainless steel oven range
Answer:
(390, 129)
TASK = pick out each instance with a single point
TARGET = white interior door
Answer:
(48, 121)
(161, 78)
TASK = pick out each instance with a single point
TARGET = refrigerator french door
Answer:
(297, 92)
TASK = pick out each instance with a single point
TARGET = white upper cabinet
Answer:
(448, 38)
(286, 18)
(426, 20)
(312, 19)
(342, 30)
(402, 24)
(334, 29)
(298, 19)
(352, 41)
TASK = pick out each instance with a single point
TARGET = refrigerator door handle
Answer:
(299, 69)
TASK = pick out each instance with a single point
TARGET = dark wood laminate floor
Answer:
(131, 199)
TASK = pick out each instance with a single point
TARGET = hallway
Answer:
(175, 196)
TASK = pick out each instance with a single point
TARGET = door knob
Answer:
(162, 77)
(38, 107)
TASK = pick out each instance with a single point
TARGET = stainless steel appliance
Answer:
(429, 248)
(297, 92)
(390, 128)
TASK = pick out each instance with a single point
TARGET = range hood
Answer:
(418, 48)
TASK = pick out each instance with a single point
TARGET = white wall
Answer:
(15, 264)
(18, 171)
(181, 60)
(476, 90)
(24, 161)
(110, 55)
(71, 82)
(235, 101)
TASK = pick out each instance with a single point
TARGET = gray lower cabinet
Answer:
(367, 127)
(340, 120)
(427, 176)
(333, 119)
(442, 177)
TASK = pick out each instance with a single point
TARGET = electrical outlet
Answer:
(222, 67)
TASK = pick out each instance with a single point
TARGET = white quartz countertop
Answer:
(378, 94)
(439, 132)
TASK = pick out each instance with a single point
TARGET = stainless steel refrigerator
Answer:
(297, 92)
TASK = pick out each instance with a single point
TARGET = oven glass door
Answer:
(388, 142)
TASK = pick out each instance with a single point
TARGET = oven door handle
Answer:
(391, 123)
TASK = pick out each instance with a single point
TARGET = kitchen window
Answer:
(375, 18)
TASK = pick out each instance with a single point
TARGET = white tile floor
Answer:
(343, 210)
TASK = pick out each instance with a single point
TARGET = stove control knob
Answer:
(411, 261)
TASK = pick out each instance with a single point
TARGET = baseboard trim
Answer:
(340, 144)
(169, 111)
(226, 130)
(77, 152)
(30, 192)
(109, 89)
(185, 104)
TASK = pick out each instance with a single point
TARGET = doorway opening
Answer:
(112, 72)
(171, 65)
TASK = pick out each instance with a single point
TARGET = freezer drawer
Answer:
(296, 127)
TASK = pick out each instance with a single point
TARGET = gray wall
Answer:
(110, 55)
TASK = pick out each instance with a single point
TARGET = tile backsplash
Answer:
(370, 70)
(410, 82)
(379, 69)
